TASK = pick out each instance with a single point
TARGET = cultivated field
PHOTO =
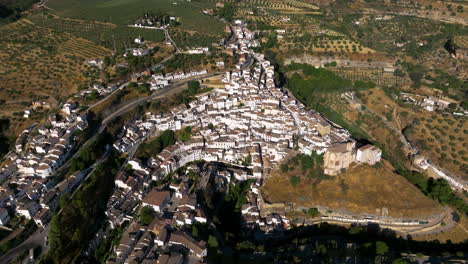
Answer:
(106, 34)
(443, 139)
(360, 190)
(377, 76)
(39, 64)
(315, 40)
(120, 13)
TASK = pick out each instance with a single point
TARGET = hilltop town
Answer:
(245, 132)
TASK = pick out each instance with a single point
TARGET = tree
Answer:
(452, 106)
(185, 134)
(399, 261)
(381, 248)
(212, 241)
(313, 212)
(399, 73)
(146, 215)
(194, 231)
(284, 168)
(227, 11)
(193, 87)
(294, 180)
(167, 138)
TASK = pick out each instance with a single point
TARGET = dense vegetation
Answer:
(147, 215)
(308, 82)
(11, 9)
(155, 146)
(184, 61)
(73, 228)
(314, 80)
(89, 154)
(227, 11)
(436, 189)
(4, 141)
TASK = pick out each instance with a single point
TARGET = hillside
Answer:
(360, 190)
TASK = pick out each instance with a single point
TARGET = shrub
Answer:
(313, 212)
(294, 180)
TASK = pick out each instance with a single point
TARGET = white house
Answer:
(4, 216)
(156, 199)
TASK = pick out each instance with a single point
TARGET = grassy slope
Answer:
(361, 189)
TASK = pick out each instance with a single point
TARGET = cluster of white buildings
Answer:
(141, 51)
(49, 148)
(248, 122)
(152, 23)
(40, 151)
(199, 50)
(158, 81)
(428, 103)
(175, 206)
(247, 117)
(100, 89)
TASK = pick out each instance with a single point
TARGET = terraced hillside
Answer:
(37, 63)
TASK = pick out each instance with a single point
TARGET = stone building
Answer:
(338, 157)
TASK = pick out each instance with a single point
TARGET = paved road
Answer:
(158, 94)
(36, 240)
(126, 84)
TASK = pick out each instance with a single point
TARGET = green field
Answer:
(124, 12)
(103, 34)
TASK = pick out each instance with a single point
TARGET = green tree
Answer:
(399, 261)
(381, 248)
(193, 87)
(227, 11)
(284, 168)
(313, 212)
(212, 241)
(194, 231)
(146, 215)
(294, 180)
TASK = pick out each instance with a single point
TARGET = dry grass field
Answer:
(360, 190)
(458, 234)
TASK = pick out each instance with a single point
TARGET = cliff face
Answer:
(321, 61)
(435, 15)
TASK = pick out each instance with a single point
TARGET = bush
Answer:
(313, 212)
(294, 180)
(284, 168)
(155, 146)
(146, 215)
